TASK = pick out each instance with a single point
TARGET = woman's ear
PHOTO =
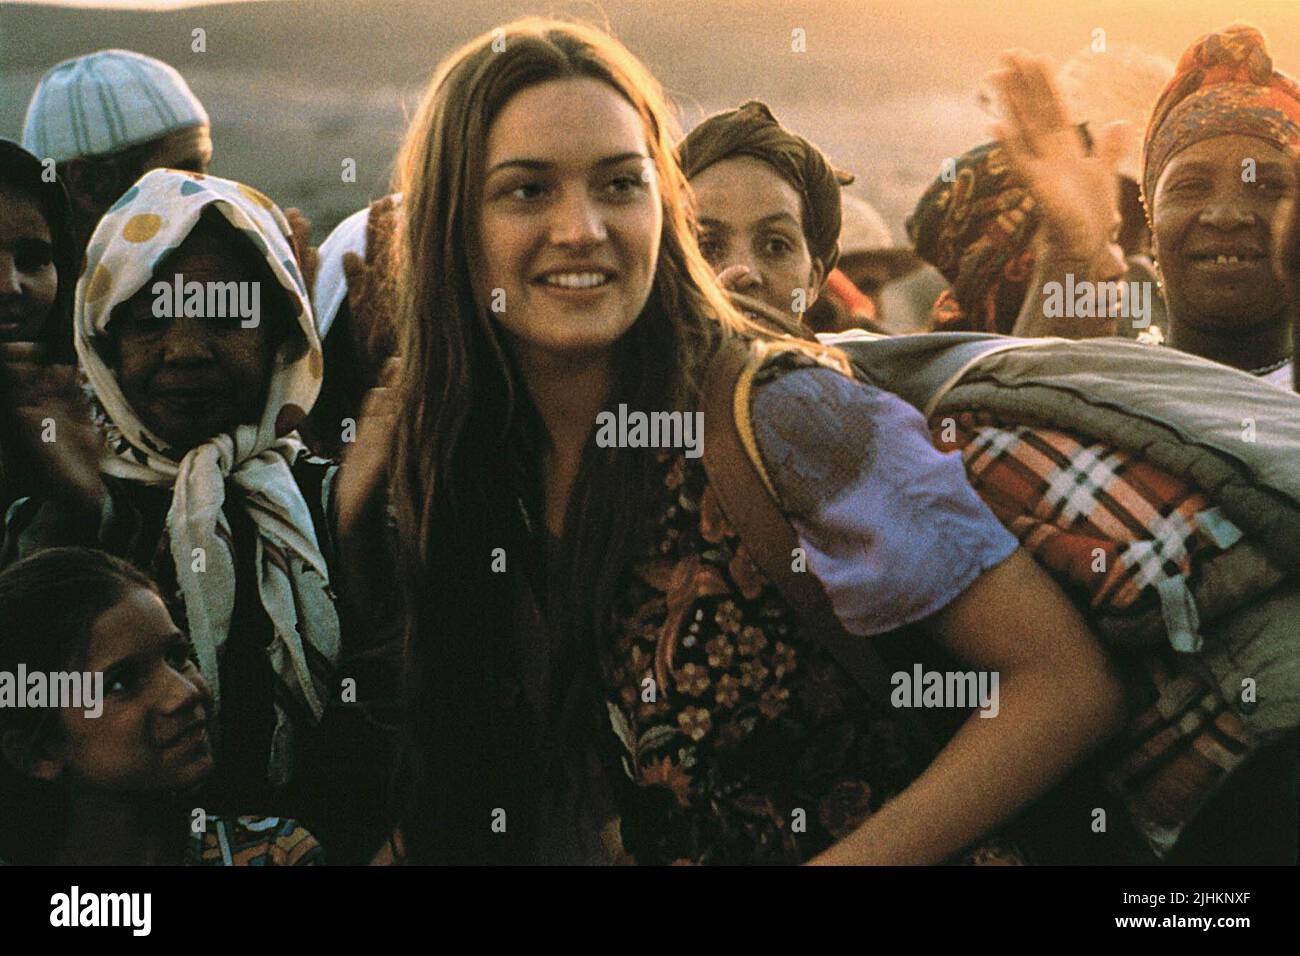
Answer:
(816, 279)
(45, 764)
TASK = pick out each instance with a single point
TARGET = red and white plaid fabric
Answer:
(1107, 524)
(1071, 502)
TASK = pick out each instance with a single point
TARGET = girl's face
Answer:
(191, 377)
(570, 219)
(28, 279)
(152, 734)
(751, 218)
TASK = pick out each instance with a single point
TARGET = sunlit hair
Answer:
(470, 441)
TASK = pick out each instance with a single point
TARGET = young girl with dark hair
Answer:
(117, 786)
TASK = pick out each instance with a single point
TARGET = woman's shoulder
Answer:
(254, 841)
(818, 429)
(889, 523)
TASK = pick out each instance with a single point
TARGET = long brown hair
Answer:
(468, 452)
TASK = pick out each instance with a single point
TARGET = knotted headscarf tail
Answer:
(1224, 84)
(752, 130)
(132, 240)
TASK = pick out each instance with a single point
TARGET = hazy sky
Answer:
(887, 87)
(130, 4)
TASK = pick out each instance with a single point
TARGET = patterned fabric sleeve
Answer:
(889, 525)
(255, 841)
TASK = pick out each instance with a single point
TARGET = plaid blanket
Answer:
(1176, 752)
(1111, 527)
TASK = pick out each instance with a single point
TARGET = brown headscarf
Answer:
(753, 131)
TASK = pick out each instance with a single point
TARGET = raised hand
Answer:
(1077, 193)
(52, 424)
(372, 290)
(300, 238)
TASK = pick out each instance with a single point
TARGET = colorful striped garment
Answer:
(253, 841)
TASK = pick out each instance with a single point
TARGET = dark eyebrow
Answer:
(715, 224)
(540, 165)
(168, 640)
(1201, 166)
(779, 217)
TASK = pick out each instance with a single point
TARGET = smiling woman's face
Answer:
(29, 281)
(189, 378)
(570, 219)
(1213, 206)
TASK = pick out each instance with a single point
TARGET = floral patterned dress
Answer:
(738, 742)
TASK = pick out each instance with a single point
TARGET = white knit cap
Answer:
(106, 101)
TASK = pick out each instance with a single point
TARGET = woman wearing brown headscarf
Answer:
(767, 204)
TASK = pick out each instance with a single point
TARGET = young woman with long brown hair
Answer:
(550, 273)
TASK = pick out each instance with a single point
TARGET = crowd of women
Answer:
(363, 585)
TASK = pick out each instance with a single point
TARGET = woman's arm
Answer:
(1055, 272)
(1058, 700)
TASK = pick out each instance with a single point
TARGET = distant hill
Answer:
(296, 86)
(886, 87)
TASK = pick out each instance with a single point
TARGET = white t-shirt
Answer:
(1281, 377)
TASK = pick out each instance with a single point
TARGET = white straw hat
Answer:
(105, 101)
(867, 250)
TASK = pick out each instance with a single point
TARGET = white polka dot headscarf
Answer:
(133, 240)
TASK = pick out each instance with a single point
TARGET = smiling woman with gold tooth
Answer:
(1216, 164)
